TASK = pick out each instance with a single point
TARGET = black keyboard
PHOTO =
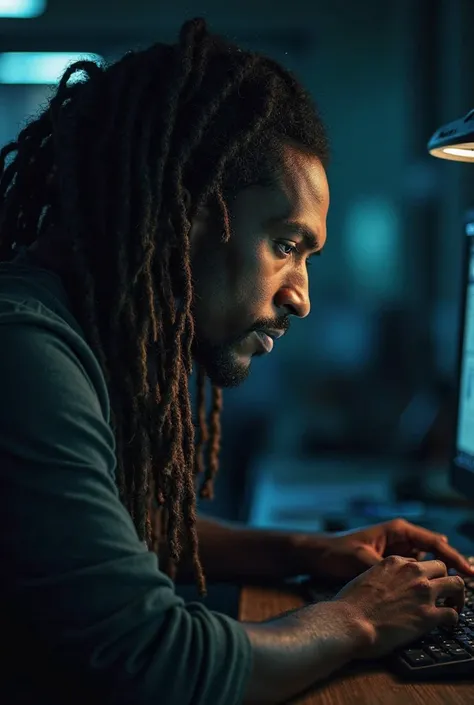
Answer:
(443, 653)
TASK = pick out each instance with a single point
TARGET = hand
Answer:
(343, 555)
(396, 599)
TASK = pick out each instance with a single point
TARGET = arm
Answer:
(233, 552)
(86, 611)
(292, 653)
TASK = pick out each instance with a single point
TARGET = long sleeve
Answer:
(85, 598)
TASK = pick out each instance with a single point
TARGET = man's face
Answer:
(247, 289)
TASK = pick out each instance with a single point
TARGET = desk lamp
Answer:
(455, 140)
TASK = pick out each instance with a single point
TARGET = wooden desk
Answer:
(354, 685)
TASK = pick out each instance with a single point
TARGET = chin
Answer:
(228, 375)
(223, 366)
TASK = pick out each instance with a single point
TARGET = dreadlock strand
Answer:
(241, 140)
(203, 434)
(209, 110)
(213, 448)
(139, 443)
(189, 505)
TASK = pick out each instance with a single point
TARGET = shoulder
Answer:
(40, 349)
(50, 408)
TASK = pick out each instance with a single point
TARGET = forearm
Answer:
(235, 551)
(293, 653)
(232, 552)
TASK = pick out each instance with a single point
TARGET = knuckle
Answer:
(414, 568)
(393, 560)
(458, 581)
(426, 612)
(398, 523)
(423, 587)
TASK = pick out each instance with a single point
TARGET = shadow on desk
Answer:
(358, 683)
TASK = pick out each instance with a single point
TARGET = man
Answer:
(164, 209)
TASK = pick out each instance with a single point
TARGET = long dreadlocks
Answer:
(106, 165)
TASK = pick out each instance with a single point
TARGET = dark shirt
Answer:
(86, 614)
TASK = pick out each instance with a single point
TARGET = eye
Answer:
(285, 248)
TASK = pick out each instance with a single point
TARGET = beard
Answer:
(222, 364)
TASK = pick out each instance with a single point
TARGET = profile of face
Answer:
(247, 289)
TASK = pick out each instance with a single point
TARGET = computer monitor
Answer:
(462, 467)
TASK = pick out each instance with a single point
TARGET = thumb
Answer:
(366, 556)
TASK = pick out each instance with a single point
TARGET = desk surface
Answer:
(354, 685)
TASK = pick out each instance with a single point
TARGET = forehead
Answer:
(304, 183)
(299, 193)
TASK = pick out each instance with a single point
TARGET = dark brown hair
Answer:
(106, 164)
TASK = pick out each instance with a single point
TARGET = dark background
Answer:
(356, 404)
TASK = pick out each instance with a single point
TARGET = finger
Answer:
(453, 559)
(366, 557)
(446, 617)
(425, 540)
(434, 569)
(451, 590)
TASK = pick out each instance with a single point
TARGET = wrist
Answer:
(307, 552)
(352, 635)
(298, 649)
(292, 551)
(360, 633)
(275, 552)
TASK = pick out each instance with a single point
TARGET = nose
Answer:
(294, 299)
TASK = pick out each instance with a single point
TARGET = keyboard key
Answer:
(459, 654)
(459, 632)
(437, 654)
(417, 657)
(467, 644)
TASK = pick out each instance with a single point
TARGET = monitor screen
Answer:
(465, 429)
(463, 461)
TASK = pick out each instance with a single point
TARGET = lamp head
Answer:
(455, 140)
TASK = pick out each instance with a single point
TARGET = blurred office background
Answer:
(353, 411)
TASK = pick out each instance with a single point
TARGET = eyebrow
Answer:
(310, 238)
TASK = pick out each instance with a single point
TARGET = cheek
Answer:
(258, 280)
(236, 288)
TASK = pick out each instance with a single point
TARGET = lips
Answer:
(265, 340)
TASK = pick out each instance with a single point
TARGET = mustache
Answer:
(280, 323)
